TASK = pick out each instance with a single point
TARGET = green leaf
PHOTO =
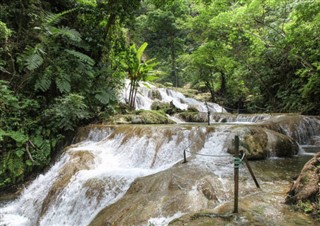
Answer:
(141, 50)
(68, 33)
(43, 83)
(19, 137)
(63, 84)
(83, 57)
(105, 97)
(29, 162)
(19, 152)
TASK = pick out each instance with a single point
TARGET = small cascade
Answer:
(307, 128)
(301, 128)
(147, 94)
(239, 118)
(98, 171)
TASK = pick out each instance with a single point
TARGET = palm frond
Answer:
(32, 57)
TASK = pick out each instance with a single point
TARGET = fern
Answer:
(68, 33)
(34, 61)
(105, 96)
(63, 84)
(67, 112)
(31, 57)
(52, 19)
(83, 57)
(43, 83)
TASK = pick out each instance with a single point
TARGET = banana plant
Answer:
(139, 70)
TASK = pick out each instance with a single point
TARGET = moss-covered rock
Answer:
(158, 105)
(305, 191)
(155, 94)
(191, 116)
(141, 117)
(151, 117)
(260, 143)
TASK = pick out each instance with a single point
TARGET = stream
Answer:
(97, 172)
(133, 174)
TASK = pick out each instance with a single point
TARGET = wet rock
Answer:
(207, 189)
(158, 105)
(182, 188)
(191, 116)
(78, 161)
(259, 143)
(299, 127)
(141, 117)
(305, 191)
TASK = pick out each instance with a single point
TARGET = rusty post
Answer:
(236, 174)
(184, 156)
(251, 172)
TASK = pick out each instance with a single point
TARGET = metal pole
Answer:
(184, 156)
(236, 174)
(251, 172)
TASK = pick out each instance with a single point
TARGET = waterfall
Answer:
(98, 171)
(301, 128)
(147, 94)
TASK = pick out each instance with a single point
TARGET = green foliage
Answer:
(59, 45)
(59, 57)
(161, 28)
(4, 31)
(105, 96)
(137, 69)
(66, 112)
(16, 127)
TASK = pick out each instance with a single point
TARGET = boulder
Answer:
(181, 188)
(299, 127)
(305, 190)
(141, 117)
(259, 143)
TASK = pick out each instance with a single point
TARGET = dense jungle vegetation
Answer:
(63, 63)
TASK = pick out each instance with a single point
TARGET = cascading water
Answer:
(98, 171)
(148, 93)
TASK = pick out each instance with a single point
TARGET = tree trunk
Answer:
(173, 61)
(223, 86)
(209, 87)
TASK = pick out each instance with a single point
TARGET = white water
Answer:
(145, 98)
(117, 162)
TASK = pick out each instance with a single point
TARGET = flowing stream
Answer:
(97, 171)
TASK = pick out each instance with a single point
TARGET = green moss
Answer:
(157, 105)
(153, 117)
(190, 116)
(305, 206)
